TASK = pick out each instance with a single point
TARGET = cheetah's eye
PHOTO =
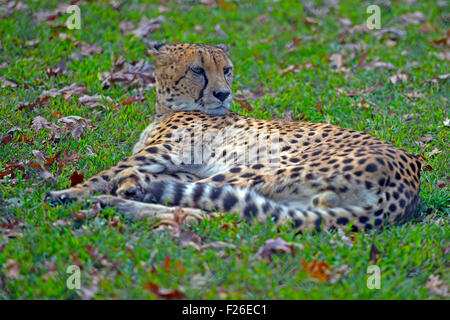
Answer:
(226, 70)
(198, 70)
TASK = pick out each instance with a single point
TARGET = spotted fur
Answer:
(312, 175)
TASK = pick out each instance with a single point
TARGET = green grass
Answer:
(131, 255)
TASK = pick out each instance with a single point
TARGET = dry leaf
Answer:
(11, 268)
(317, 270)
(278, 245)
(147, 26)
(414, 95)
(399, 77)
(76, 178)
(374, 253)
(7, 83)
(433, 152)
(413, 18)
(163, 293)
(67, 91)
(436, 286)
(94, 101)
(426, 138)
(377, 65)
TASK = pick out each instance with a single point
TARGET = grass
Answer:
(119, 260)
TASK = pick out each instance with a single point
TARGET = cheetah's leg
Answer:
(128, 177)
(135, 210)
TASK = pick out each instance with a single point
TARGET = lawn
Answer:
(74, 101)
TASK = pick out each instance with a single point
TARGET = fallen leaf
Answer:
(399, 77)
(11, 268)
(76, 178)
(219, 32)
(412, 18)
(131, 74)
(66, 92)
(276, 246)
(436, 286)
(443, 55)
(339, 272)
(87, 49)
(133, 99)
(94, 101)
(317, 270)
(147, 26)
(245, 105)
(377, 65)
(414, 95)
(433, 152)
(426, 138)
(297, 67)
(40, 123)
(76, 125)
(7, 83)
(446, 122)
(163, 293)
(10, 169)
(219, 245)
(126, 26)
(374, 253)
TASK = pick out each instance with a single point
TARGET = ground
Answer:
(314, 63)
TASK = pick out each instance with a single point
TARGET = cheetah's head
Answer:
(193, 77)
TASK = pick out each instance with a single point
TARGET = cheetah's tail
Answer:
(250, 205)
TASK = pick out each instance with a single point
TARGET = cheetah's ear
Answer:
(159, 52)
(224, 47)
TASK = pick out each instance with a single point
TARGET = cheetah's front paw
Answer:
(63, 196)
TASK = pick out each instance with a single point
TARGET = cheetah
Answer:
(201, 156)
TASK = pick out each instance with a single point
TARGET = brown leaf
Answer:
(436, 286)
(76, 125)
(399, 77)
(66, 92)
(140, 72)
(413, 18)
(147, 26)
(414, 95)
(48, 163)
(40, 123)
(79, 215)
(377, 65)
(11, 268)
(94, 101)
(245, 105)
(126, 26)
(317, 270)
(337, 63)
(426, 138)
(76, 178)
(59, 69)
(87, 49)
(433, 152)
(374, 252)
(10, 169)
(133, 99)
(219, 245)
(278, 245)
(297, 67)
(164, 293)
(7, 83)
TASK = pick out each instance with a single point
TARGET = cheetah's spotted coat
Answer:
(313, 175)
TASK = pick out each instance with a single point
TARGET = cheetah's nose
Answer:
(221, 94)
